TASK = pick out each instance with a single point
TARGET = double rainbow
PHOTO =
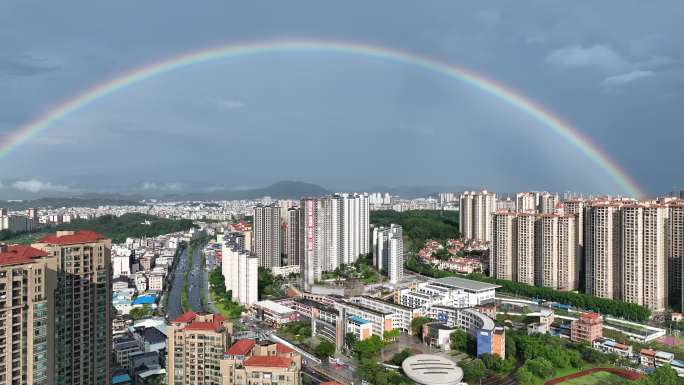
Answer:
(567, 132)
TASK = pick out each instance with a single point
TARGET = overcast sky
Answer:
(613, 69)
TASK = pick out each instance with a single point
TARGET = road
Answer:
(194, 291)
(174, 304)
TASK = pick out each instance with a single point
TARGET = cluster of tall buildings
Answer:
(16, 223)
(240, 270)
(619, 248)
(334, 230)
(475, 218)
(388, 253)
(55, 303)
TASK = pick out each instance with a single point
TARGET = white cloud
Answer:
(170, 186)
(622, 79)
(35, 186)
(597, 56)
(228, 104)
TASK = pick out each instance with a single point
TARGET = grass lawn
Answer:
(229, 312)
(598, 378)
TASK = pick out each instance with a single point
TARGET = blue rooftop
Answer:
(120, 378)
(357, 320)
(144, 300)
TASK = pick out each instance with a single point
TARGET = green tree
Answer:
(525, 377)
(663, 375)
(459, 340)
(391, 335)
(141, 312)
(511, 349)
(324, 349)
(540, 367)
(417, 325)
(399, 358)
(367, 348)
(350, 340)
(474, 370)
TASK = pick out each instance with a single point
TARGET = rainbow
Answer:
(137, 75)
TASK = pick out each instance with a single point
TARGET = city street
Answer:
(174, 303)
(194, 291)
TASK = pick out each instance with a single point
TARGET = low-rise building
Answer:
(249, 363)
(362, 329)
(650, 358)
(275, 312)
(610, 346)
(587, 328)
(401, 315)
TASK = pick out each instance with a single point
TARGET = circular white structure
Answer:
(430, 369)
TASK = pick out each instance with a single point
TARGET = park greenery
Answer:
(298, 332)
(270, 286)
(616, 308)
(144, 311)
(399, 358)
(362, 269)
(119, 228)
(367, 354)
(324, 349)
(186, 273)
(221, 298)
(419, 226)
(663, 375)
(417, 325)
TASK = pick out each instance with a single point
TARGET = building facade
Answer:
(267, 234)
(82, 306)
(195, 346)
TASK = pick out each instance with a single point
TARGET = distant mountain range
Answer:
(278, 190)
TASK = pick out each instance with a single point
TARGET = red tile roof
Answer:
(18, 254)
(241, 347)
(330, 383)
(80, 236)
(280, 348)
(268, 361)
(186, 317)
(593, 316)
(215, 326)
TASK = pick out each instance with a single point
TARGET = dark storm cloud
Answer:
(613, 69)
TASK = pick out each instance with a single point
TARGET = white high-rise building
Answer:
(310, 265)
(476, 210)
(556, 261)
(525, 236)
(336, 231)
(569, 262)
(240, 270)
(502, 253)
(525, 201)
(248, 280)
(674, 231)
(575, 206)
(535, 249)
(389, 251)
(465, 220)
(267, 235)
(602, 249)
(547, 202)
(643, 257)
